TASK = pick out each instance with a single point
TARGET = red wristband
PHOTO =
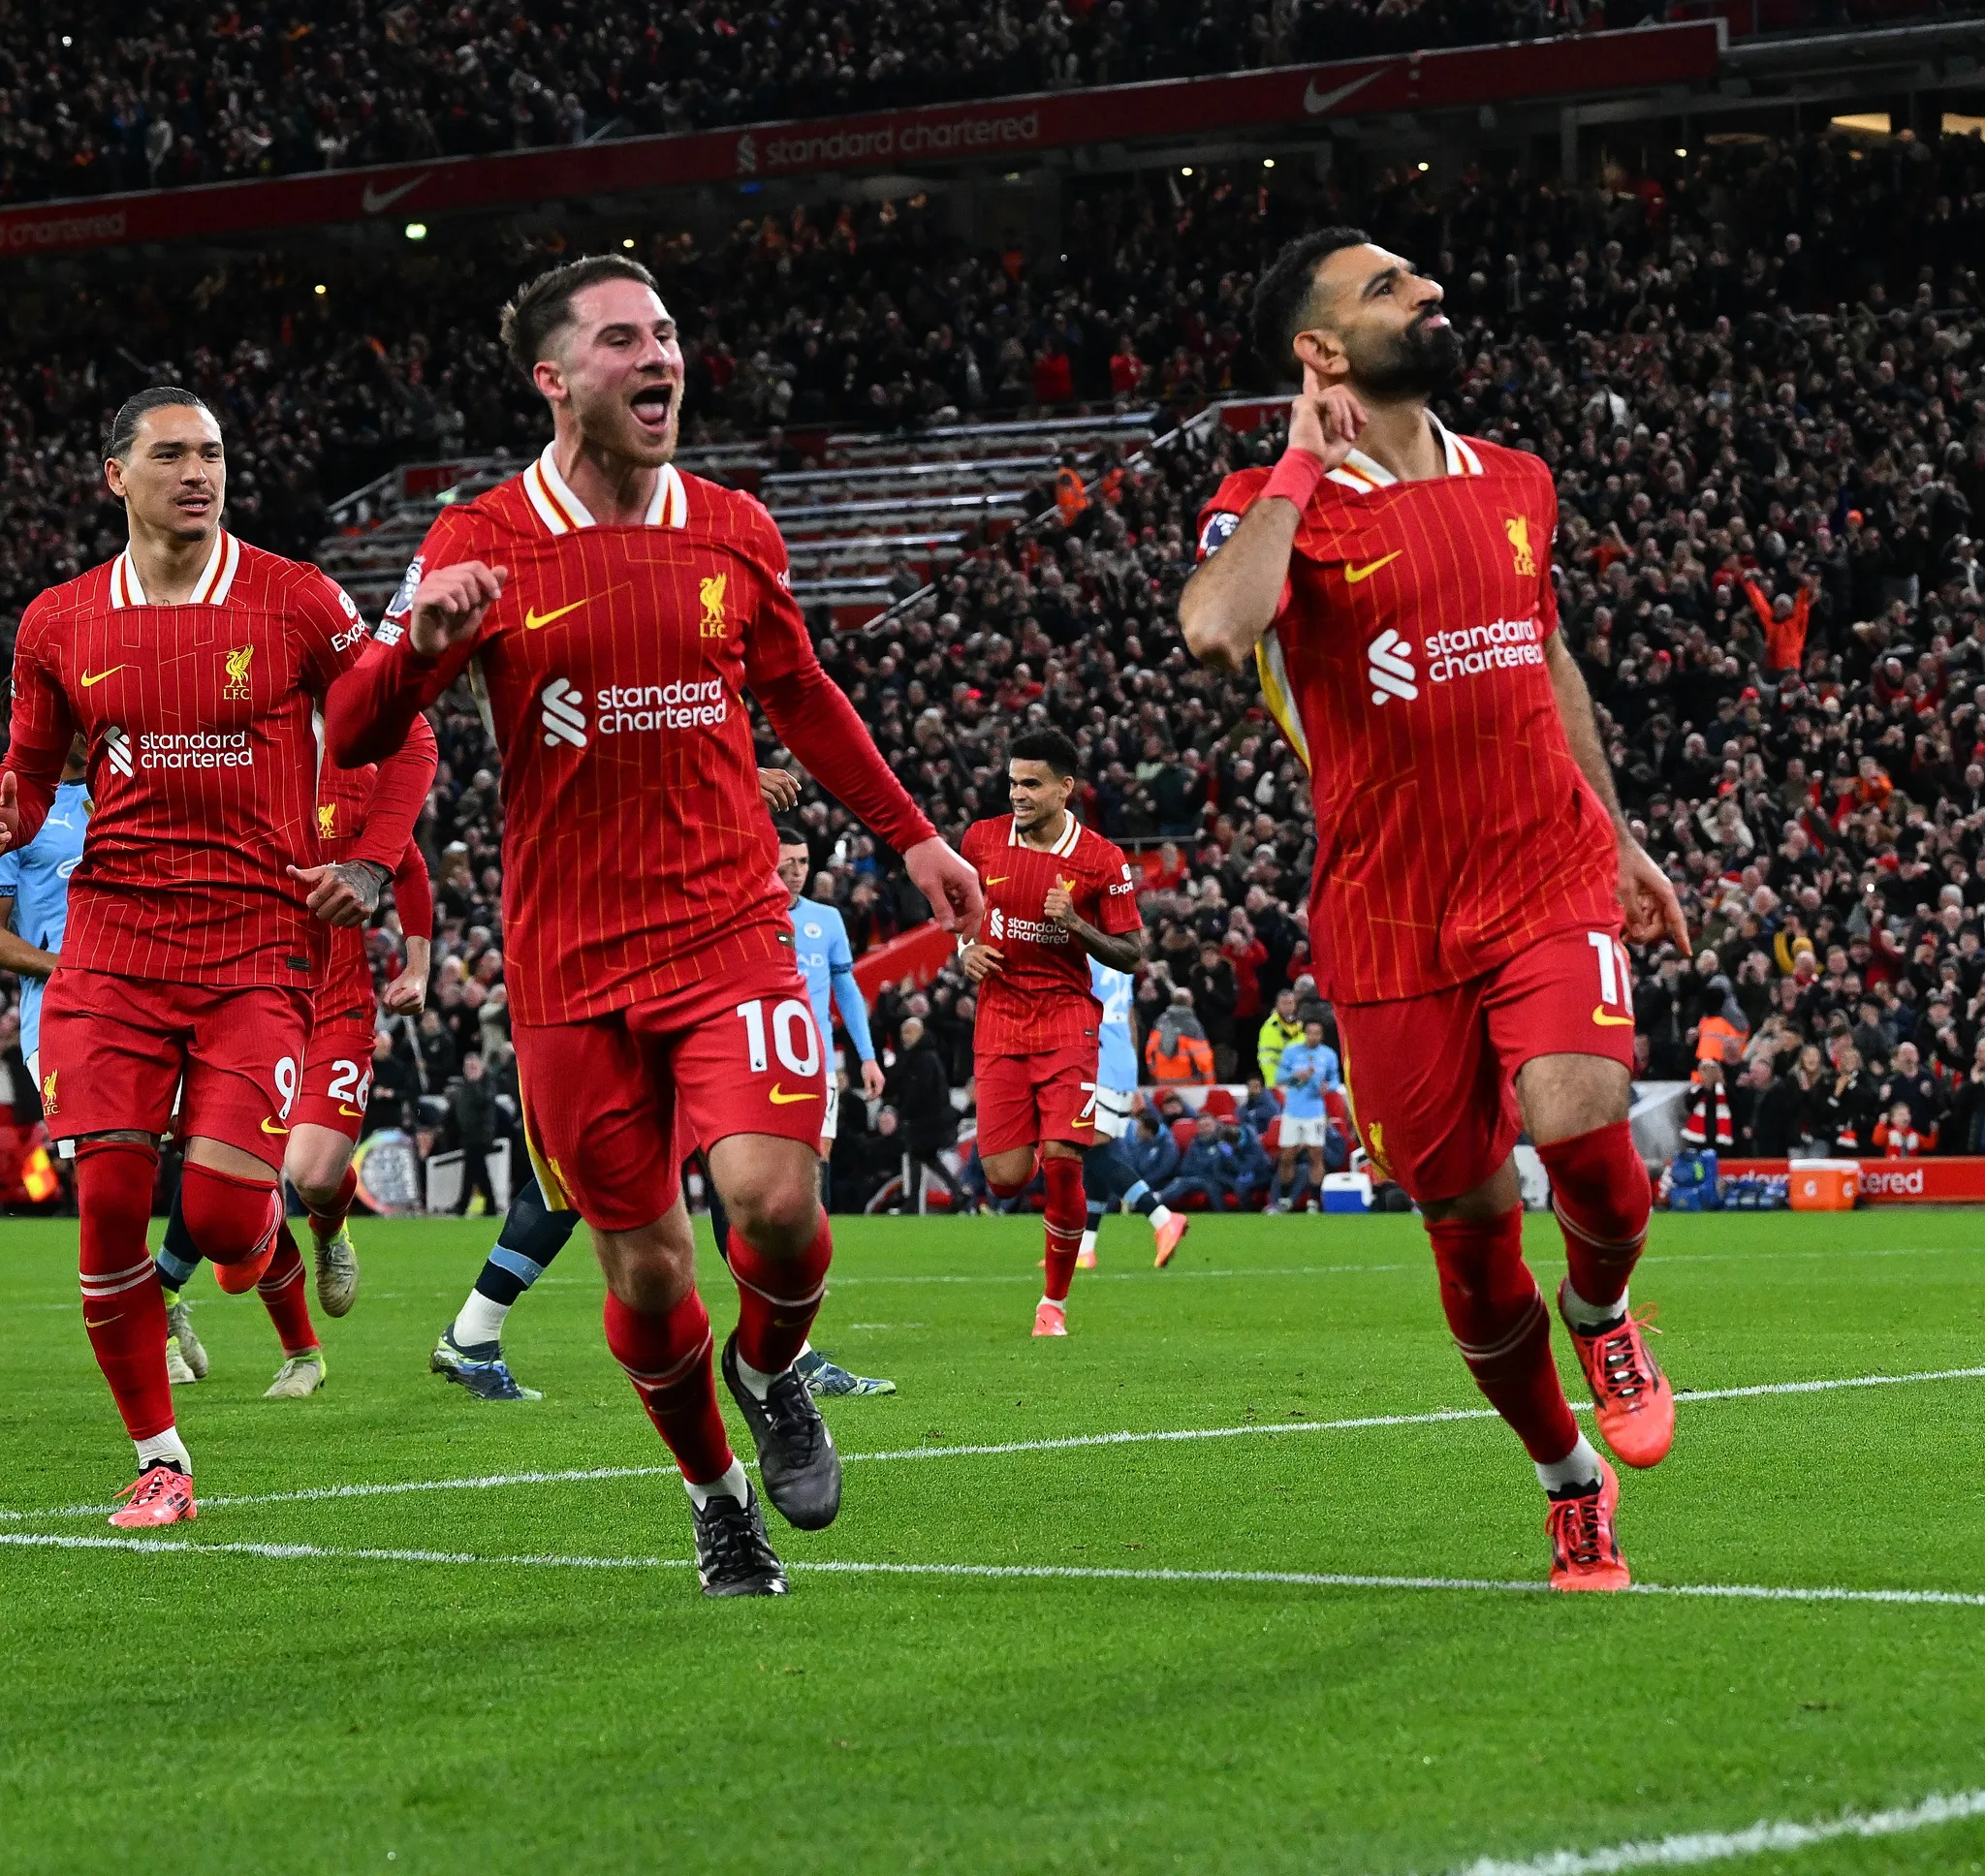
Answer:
(1295, 477)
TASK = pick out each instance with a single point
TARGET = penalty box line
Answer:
(1076, 1442)
(1690, 1849)
(996, 1572)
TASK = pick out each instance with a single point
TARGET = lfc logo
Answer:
(236, 690)
(1375, 1147)
(1518, 528)
(49, 1092)
(326, 819)
(712, 594)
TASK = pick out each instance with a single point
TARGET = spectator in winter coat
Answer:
(1177, 1049)
(1154, 1152)
(1207, 1171)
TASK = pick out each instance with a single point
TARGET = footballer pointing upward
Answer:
(611, 611)
(1392, 583)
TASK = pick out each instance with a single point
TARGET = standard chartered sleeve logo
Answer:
(1391, 669)
(564, 715)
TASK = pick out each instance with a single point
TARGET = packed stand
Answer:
(1757, 378)
(95, 100)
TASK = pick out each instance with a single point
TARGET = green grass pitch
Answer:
(195, 1709)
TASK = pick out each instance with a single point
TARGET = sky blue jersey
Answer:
(820, 947)
(37, 880)
(1304, 1100)
(1117, 1063)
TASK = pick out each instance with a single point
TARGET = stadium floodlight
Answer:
(416, 231)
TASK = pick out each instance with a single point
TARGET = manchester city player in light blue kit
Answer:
(34, 900)
(1108, 1178)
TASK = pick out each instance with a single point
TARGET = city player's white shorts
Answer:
(831, 1120)
(1305, 1130)
(1113, 1112)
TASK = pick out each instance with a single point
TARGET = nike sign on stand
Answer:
(1316, 103)
(376, 202)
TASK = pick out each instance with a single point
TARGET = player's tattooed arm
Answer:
(1646, 895)
(343, 893)
(1114, 951)
(1233, 597)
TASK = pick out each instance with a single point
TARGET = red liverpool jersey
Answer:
(1406, 669)
(1040, 998)
(202, 762)
(638, 857)
(354, 813)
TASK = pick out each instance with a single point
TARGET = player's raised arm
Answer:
(1117, 950)
(1233, 597)
(371, 707)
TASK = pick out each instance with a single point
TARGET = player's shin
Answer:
(282, 1291)
(122, 1309)
(327, 1223)
(778, 1300)
(1503, 1331)
(667, 1357)
(1063, 1219)
(1599, 1191)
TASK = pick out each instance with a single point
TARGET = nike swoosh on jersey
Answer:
(781, 1099)
(1000, 880)
(91, 677)
(1607, 1019)
(273, 1127)
(351, 1113)
(1353, 575)
(535, 621)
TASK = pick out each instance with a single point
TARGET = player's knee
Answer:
(228, 1218)
(1600, 1179)
(781, 1216)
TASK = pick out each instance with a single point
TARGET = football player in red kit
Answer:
(1392, 583)
(610, 612)
(1057, 894)
(191, 664)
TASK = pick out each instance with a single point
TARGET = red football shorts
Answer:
(611, 1104)
(1028, 1100)
(115, 1048)
(337, 1075)
(1431, 1078)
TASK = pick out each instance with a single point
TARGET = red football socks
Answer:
(122, 1307)
(1502, 1328)
(282, 1293)
(327, 1224)
(778, 1298)
(1599, 1190)
(233, 1222)
(1067, 1214)
(667, 1358)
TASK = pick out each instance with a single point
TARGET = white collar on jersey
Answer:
(215, 582)
(1360, 472)
(562, 511)
(1065, 845)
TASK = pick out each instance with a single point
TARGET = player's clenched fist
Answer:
(1325, 420)
(450, 603)
(1058, 907)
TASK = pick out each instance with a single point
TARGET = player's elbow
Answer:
(1214, 634)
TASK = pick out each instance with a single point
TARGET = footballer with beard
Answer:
(1391, 584)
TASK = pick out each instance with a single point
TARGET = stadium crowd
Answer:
(95, 100)
(1757, 373)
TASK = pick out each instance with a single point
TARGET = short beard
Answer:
(1422, 361)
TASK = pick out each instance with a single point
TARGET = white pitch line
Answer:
(1002, 1572)
(1696, 1847)
(1068, 1443)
